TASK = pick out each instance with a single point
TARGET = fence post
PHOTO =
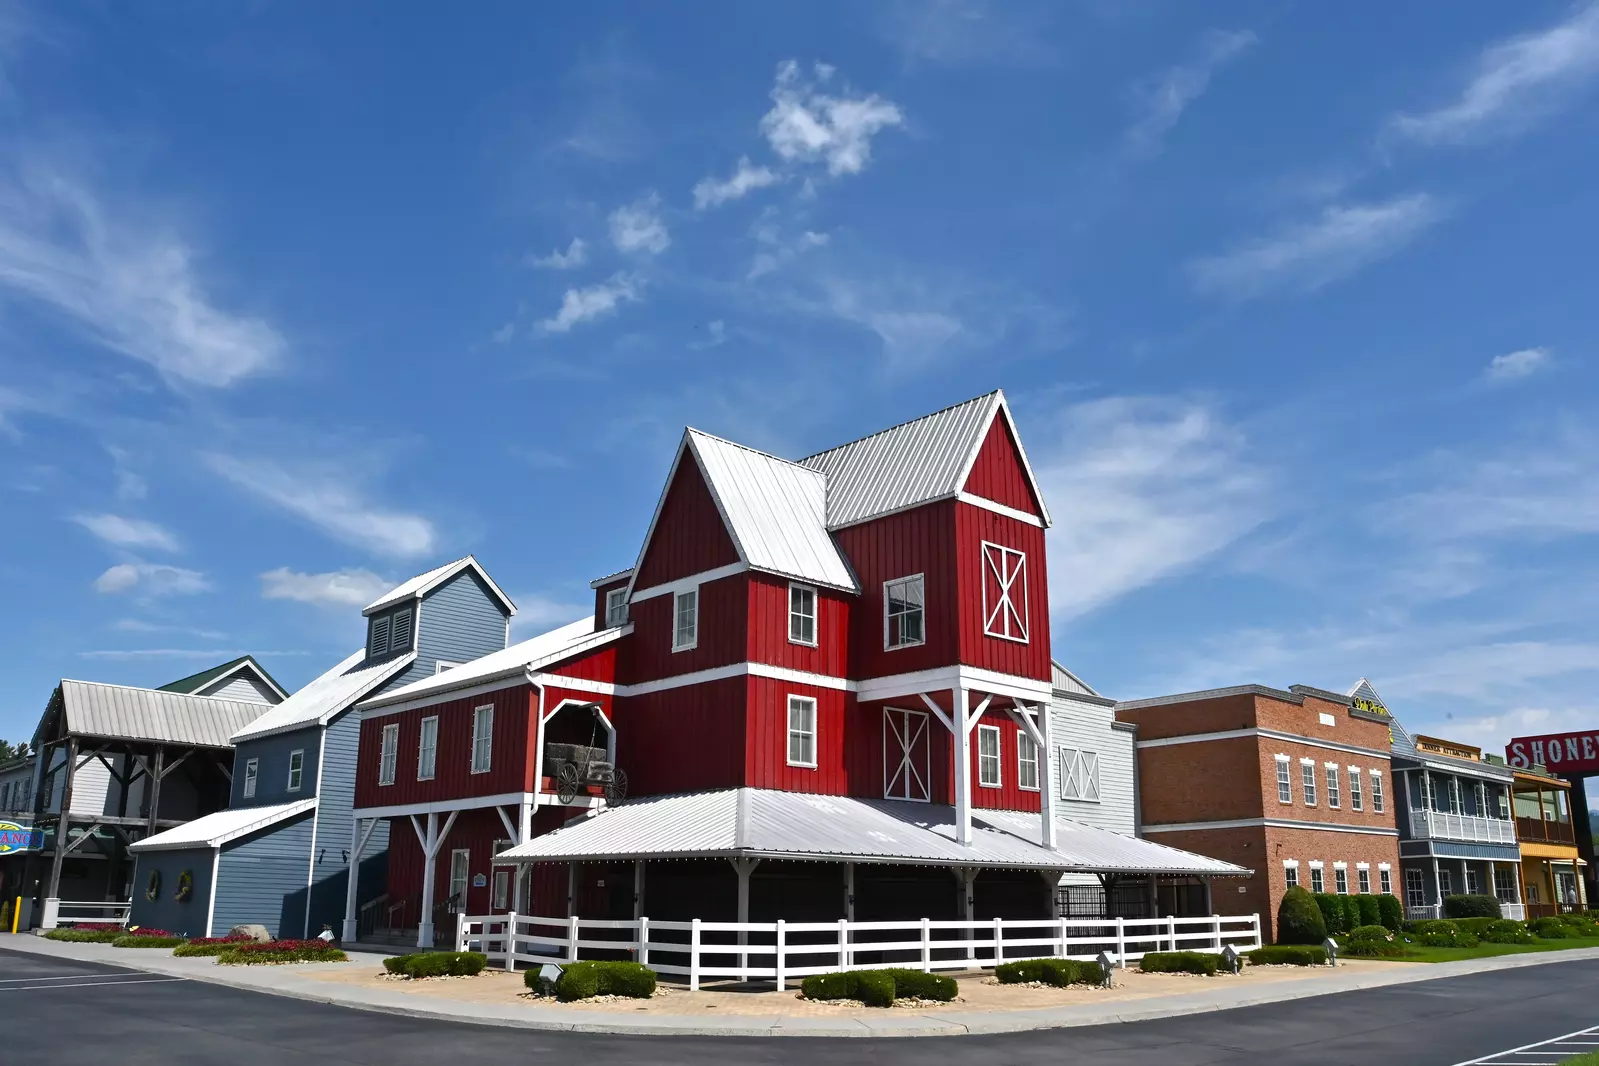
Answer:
(1121, 941)
(571, 938)
(460, 930)
(52, 914)
(927, 946)
(779, 962)
(1216, 921)
(694, 956)
(1254, 925)
(999, 941)
(1171, 930)
(1065, 935)
(843, 944)
(510, 942)
(643, 941)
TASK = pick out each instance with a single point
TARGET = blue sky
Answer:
(1294, 304)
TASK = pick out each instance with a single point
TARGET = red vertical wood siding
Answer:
(596, 665)
(1009, 796)
(974, 526)
(453, 777)
(689, 536)
(865, 757)
(599, 600)
(918, 541)
(768, 629)
(684, 738)
(997, 474)
(723, 633)
(766, 755)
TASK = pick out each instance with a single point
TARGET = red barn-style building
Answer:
(825, 683)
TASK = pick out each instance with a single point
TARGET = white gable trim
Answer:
(1001, 407)
(999, 508)
(260, 675)
(683, 447)
(444, 574)
(692, 581)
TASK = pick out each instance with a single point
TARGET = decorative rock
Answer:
(259, 932)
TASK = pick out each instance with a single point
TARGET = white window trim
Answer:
(616, 598)
(441, 665)
(466, 883)
(816, 614)
(1316, 864)
(1335, 791)
(1340, 866)
(1022, 740)
(788, 735)
(252, 775)
(1285, 780)
(292, 785)
(999, 757)
(1378, 798)
(1308, 786)
(677, 598)
(1019, 615)
(1357, 792)
(421, 729)
(488, 763)
(905, 643)
(388, 753)
(1384, 866)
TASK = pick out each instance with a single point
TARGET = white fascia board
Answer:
(1274, 734)
(465, 803)
(692, 581)
(1270, 823)
(999, 508)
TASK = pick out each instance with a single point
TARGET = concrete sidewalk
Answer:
(296, 982)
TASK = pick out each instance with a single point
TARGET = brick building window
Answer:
(1341, 878)
(1376, 791)
(1356, 798)
(988, 774)
(1307, 780)
(1291, 872)
(1285, 783)
(1363, 878)
(1334, 796)
(1318, 879)
(1385, 880)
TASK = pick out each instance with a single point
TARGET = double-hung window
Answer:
(904, 604)
(1446, 883)
(1472, 887)
(1318, 877)
(988, 773)
(1385, 879)
(1341, 878)
(1415, 889)
(802, 731)
(1376, 791)
(1505, 884)
(802, 615)
(1356, 798)
(1026, 762)
(1079, 775)
(1334, 794)
(460, 877)
(686, 620)
(1291, 873)
(1285, 783)
(427, 748)
(252, 770)
(388, 753)
(1004, 592)
(1481, 796)
(482, 738)
(296, 769)
(1307, 780)
(615, 607)
(1363, 879)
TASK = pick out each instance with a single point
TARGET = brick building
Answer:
(1294, 785)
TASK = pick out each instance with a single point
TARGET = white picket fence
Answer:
(57, 911)
(781, 951)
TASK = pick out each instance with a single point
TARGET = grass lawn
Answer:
(1482, 951)
(1590, 1058)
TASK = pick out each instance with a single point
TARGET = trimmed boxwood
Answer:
(581, 980)
(1058, 972)
(1391, 911)
(1506, 931)
(879, 988)
(438, 964)
(1332, 912)
(1370, 911)
(1442, 933)
(1197, 962)
(1299, 919)
(1562, 928)
(1288, 955)
(1472, 906)
(914, 984)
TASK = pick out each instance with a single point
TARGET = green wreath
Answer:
(153, 888)
(185, 886)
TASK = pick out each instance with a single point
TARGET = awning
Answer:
(763, 823)
(214, 830)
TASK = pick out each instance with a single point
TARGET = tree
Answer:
(1299, 919)
(9, 751)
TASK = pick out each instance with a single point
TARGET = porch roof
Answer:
(764, 823)
(214, 830)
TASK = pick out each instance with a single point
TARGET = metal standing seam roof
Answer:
(205, 677)
(767, 823)
(1063, 680)
(214, 830)
(319, 701)
(421, 584)
(776, 511)
(95, 709)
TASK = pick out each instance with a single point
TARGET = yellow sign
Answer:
(1363, 704)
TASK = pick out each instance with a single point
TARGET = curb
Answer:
(906, 1024)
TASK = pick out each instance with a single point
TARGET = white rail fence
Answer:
(57, 911)
(782, 951)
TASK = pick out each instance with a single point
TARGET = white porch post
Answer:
(524, 820)
(963, 767)
(1437, 887)
(1046, 777)
(358, 841)
(849, 891)
(968, 890)
(430, 851)
(744, 867)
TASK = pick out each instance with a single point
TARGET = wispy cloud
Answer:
(151, 579)
(140, 625)
(1513, 366)
(1516, 81)
(1151, 486)
(130, 486)
(807, 125)
(576, 254)
(137, 290)
(128, 532)
(183, 653)
(595, 301)
(327, 499)
(776, 249)
(1309, 255)
(1162, 101)
(961, 32)
(338, 588)
(745, 179)
(636, 228)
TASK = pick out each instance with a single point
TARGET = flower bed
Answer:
(86, 935)
(211, 945)
(142, 936)
(281, 951)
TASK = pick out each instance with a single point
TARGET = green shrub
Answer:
(1443, 933)
(1374, 949)
(1554, 928)
(879, 988)
(1288, 955)
(1197, 962)
(1299, 919)
(1475, 926)
(1332, 912)
(215, 945)
(148, 941)
(1505, 931)
(85, 936)
(1058, 972)
(1370, 911)
(1352, 917)
(582, 980)
(1391, 910)
(824, 986)
(1473, 906)
(874, 988)
(536, 982)
(1368, 932)
(913, 984)
(438, 964)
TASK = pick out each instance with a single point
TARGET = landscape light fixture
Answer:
(1332, 951)
(1107, 962)
(1231, 959)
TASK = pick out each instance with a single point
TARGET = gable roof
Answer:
(333, 692)
(1063, 680)
(214, 830)
(422, 584)
(127, 713)
(913, 463)
(205, 678)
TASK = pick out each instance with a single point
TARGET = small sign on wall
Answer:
(1327, 719)
(479, 881)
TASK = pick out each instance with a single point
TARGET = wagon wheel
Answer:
(567, 782)
(616, 788)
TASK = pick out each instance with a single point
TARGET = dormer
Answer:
(610, 599)
(447, 616)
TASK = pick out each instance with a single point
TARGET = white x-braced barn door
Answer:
(906, 760)
(1004, 592)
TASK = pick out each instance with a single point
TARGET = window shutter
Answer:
(380, 636)
(400, 633)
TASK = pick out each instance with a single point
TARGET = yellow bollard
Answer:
(16, 915)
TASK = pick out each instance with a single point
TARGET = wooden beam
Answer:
(63, 821)
(155, 791)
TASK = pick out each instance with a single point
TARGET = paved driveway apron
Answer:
(72, 1013)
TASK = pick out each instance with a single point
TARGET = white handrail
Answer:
(112, 913)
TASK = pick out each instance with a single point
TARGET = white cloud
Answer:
(957, 32)
(1342, 240)
(912, 328)
(1142, 488)
(806, 125)
(1516, 80)
(715, 336)
(537, 613)
(151, 579)
(596, 301)
(576, 254)
(746, 178)
(1163, 102)
(128, 532)
(1540, 491)
(777, 250)
(1489, 672)
(1519, 364)
(139, 625)
(135, 290)
(324, 498)
(636, 227)
(338, 588)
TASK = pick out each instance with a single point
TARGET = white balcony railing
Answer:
(1468, 827)
(1516, 911)
(1423, 913)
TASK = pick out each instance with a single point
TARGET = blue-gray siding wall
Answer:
(262, 879)
(164, 912)
(333, 826)
(272, 780)
(459, 621)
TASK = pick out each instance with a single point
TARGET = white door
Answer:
(906, 760)
(459, 862)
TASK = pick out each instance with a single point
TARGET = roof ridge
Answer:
(902, 425)
(747, 448)
(164, 692)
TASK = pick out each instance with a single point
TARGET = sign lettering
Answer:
(1570, 754)
(1361, 703)
(14, 837)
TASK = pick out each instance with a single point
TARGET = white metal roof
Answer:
(543, 650)
(334, 691)
(422, 584)
(214, 830)
(776, 511)
(94, 709)
(1063, 680)
(793, 825)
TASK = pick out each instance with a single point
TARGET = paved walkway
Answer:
(298, 982)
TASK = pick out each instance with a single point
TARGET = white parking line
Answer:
(30, 980)
(93, 984)
(1551, 1052)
